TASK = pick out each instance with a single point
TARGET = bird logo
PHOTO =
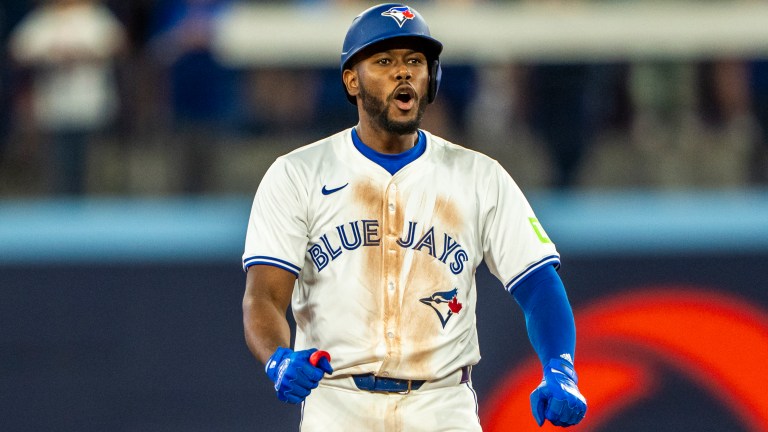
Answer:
(400, 14)
(445, 304)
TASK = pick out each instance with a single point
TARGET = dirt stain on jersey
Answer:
(394, 419)
(448, 214)
(392, 264)
(368, 197)
(370, 200)
(426, 276)
(408, 320)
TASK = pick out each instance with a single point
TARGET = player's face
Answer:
(392, 87)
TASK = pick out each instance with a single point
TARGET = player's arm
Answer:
(552, 332)
(529, 275)
(268, 292)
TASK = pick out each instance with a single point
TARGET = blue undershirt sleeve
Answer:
(548, 314)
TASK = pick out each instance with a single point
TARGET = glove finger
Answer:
(288, 398)
(556, 410)
(581, 416)
(538, 406)
(299, 392)
(301, 381)
(311, 385)
(578, 414)
(565, 419)
(295, 391)
(302, 373)
(308, 371)
(293, 399)
(325, 365)
(570, 414)
(302, 367)
(578, 408)
(281, 397)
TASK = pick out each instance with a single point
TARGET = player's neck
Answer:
(384, 141)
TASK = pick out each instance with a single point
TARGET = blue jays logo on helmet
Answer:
(401, 14)
(444, 303)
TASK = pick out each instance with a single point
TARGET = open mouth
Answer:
(405, 97)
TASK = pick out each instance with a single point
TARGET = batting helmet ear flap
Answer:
(435, 74)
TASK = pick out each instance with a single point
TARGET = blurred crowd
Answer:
(128, 97)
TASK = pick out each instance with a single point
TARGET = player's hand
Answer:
(557, 398)
(293, 374)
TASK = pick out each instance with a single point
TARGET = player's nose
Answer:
(403, 73)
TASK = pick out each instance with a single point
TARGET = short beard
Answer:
(377, 110)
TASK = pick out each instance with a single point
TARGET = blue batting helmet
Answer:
(392, 21)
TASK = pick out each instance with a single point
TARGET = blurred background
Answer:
(134, 133)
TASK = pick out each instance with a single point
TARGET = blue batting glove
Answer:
(293, 375)
(557, 398)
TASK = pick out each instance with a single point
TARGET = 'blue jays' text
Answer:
(350, 236)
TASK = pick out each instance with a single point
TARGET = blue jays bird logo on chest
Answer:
(444, 303)
(401, 14)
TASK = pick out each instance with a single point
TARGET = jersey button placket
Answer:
(391, 206)
(391, 197)
(392, 237)
(391, 268)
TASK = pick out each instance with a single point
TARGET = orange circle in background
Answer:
(717, 340)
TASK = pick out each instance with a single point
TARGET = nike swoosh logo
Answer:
(327, 191)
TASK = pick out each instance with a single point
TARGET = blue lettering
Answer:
(319, 257)
(366, 233)
(334, 252)
(428, 241)
(448, 246)
(371, 233)
(408, 240)
(355, 233)
(458, 261)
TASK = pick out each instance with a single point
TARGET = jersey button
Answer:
(390, 335)
(391, 286)
(391, 207)
(385, 374)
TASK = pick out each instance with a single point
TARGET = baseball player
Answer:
(373, 236)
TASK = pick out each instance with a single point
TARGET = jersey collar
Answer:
(391, 162)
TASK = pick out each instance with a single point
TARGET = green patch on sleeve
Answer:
(540, 233)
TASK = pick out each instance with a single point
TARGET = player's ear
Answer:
(351, 82)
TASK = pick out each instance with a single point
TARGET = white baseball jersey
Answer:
(386, 263)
